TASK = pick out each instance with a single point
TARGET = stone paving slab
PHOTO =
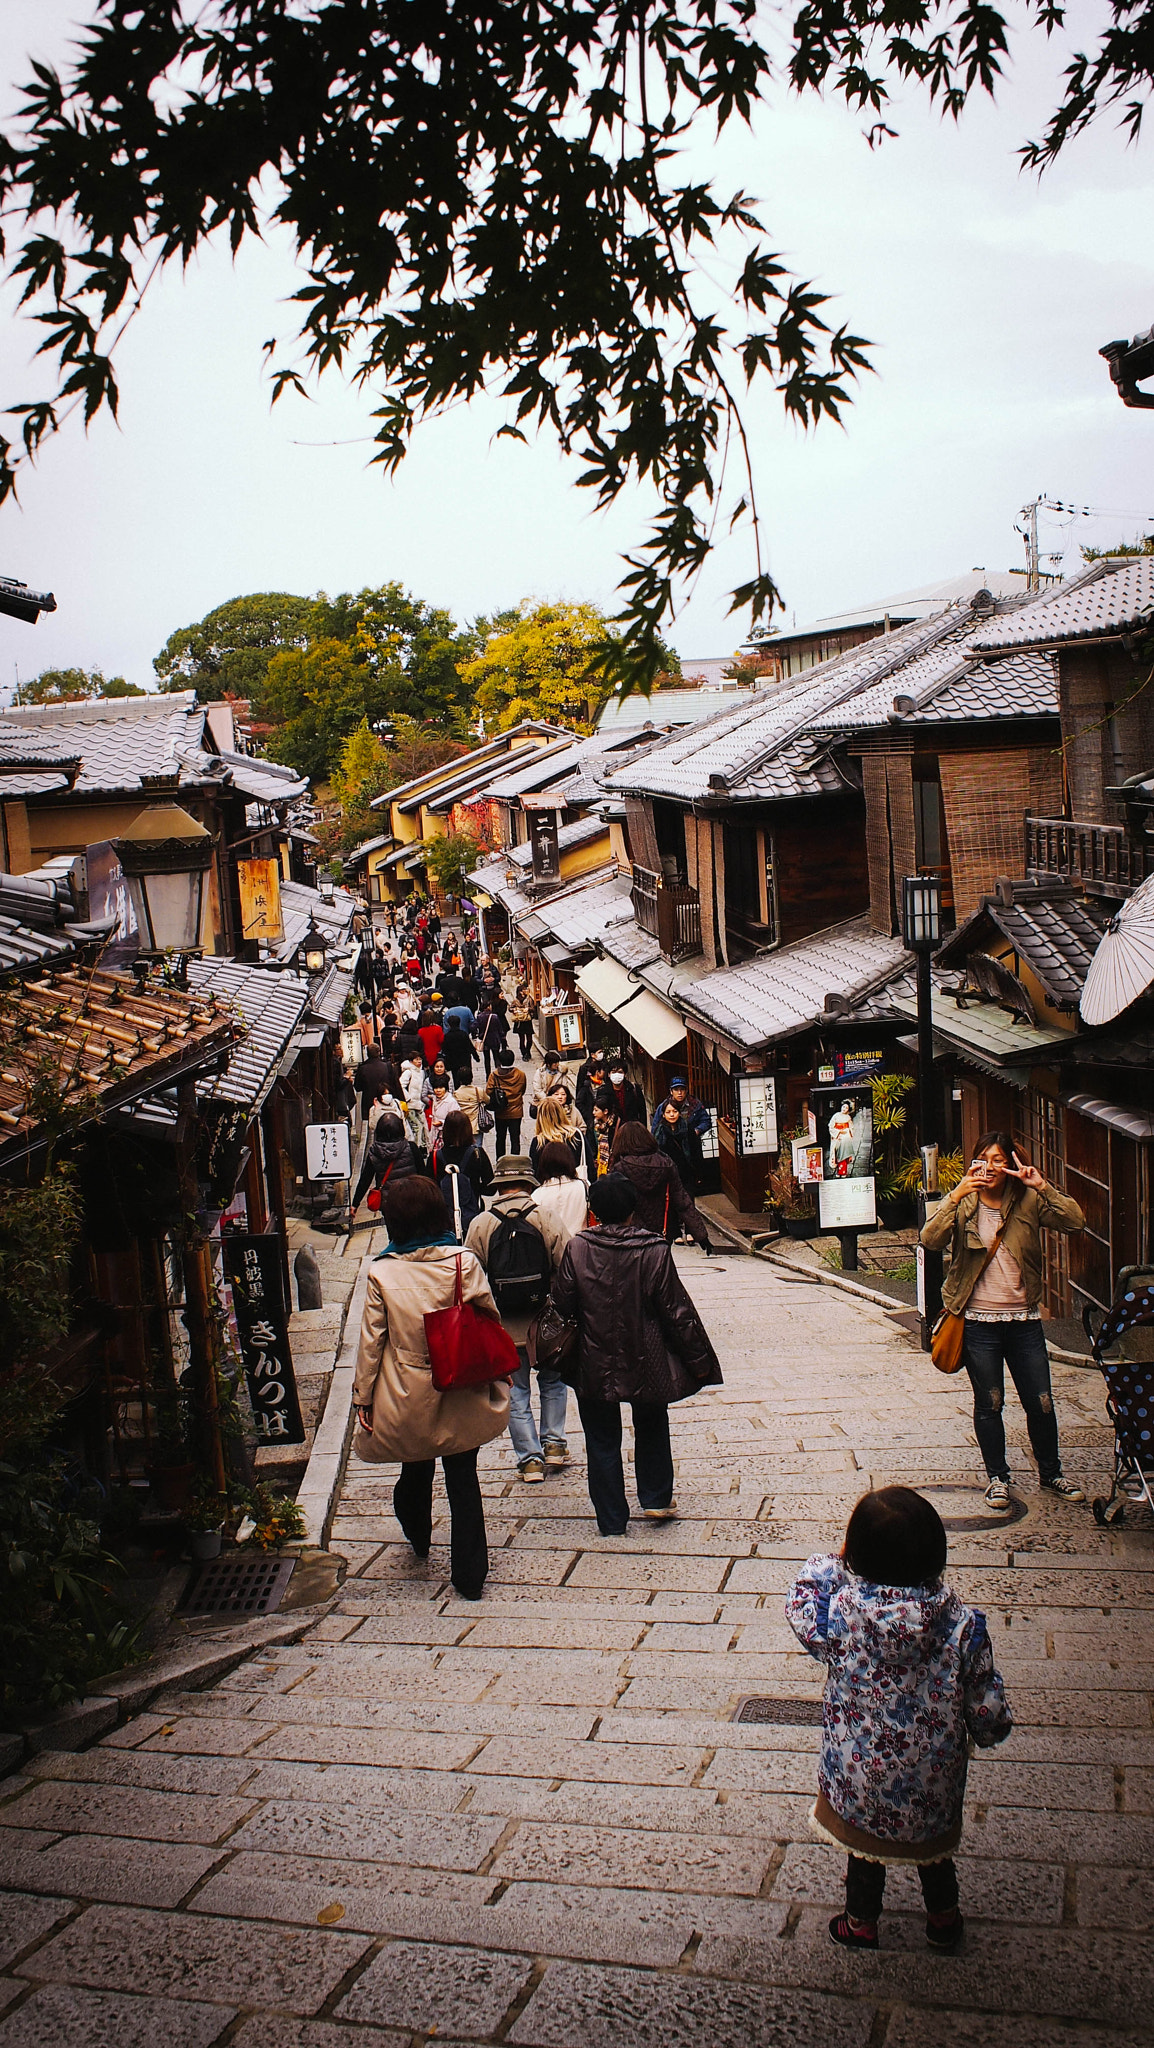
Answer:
(63, 2013)
(533, 1819)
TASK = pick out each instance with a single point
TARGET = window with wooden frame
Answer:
(750, 885)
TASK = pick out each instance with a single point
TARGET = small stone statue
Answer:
(308, 1278)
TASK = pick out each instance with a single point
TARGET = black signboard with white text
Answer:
(252, 1268)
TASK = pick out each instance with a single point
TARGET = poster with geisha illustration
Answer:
(845, 1132)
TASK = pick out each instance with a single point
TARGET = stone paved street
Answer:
(537, 1821)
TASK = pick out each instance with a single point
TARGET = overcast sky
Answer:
(987, 294)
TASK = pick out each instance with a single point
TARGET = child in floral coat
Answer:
(910, 1681)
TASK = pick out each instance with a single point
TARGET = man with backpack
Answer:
(461, 1171)
(520, 1248)
(505, 1095)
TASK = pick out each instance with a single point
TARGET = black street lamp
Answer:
(315, 947)
(922, 933)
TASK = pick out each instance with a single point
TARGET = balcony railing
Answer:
(669, 911)
(1105, 857)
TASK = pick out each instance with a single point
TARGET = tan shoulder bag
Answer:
(947, 1341)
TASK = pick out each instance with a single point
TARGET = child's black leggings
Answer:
(865, 1885)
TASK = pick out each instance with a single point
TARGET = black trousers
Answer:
(506, 1131)
(525, 1037)
(413, 1508)
(865, 1885)
(652, 1458)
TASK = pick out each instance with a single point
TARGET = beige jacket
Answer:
(411, 1420)
(481, 1229)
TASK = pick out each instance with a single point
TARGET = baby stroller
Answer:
(1129, 1393)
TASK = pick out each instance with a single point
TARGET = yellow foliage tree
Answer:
(537, 668)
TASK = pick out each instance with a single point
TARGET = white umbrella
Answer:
(1123, 966)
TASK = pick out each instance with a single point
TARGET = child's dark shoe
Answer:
(852, 1934)
(944, 1931)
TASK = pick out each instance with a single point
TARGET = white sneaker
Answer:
(998, 1497)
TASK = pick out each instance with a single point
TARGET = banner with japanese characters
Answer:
(252, 1269)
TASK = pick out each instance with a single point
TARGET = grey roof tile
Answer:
(1112, 597)
(1056, 935)
(22, 949)
(272, 1005)
(779, 993)
(948, 686)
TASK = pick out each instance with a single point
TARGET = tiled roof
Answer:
(946, 686)
(114, 1041)
(492, 880)
(271, 1005)
(120, 740)
(576, 917)
(366, 846)
(302, 906)
(1055, 934)
(22, 949)
(923, 603)
(776, 994)
(666, 707)
(984, 1032)
(542, 765)
(490, 751)
(761, 746)
(1115, 596)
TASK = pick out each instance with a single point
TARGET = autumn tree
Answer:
(537, 664)
(450, 857)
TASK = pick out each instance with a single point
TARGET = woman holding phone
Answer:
(992, 1223)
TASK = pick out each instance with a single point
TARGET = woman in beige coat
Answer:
(401, 1416)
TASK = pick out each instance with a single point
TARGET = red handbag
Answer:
(373, 1198)
(467, 1348)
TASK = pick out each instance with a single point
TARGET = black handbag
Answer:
(552, 1339)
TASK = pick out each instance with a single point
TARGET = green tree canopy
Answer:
(495, 196)
(450, 857)
(228, 651)
(537, 664)
(75, 686)
(1145, 546)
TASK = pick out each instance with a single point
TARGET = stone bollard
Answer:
(308, 1278)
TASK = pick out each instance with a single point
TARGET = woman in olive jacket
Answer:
(640, 1340)
(1002, 1303)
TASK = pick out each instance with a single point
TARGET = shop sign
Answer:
(260, 911)
(252, 1269)
(327, 1154)
(755, 1114)
(569, 1029)
(845, 1133)
(857, 1066)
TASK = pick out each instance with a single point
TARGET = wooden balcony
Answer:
(1108, 859)
(669, 911)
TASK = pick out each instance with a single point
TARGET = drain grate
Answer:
(240, 1585)
(787, 1713)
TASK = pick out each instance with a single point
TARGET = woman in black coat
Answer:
(640, 1340)
(663, 1203)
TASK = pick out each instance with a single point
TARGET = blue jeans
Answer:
(554, 1405)
(1021, 1347)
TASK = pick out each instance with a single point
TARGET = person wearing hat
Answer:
(505, 1095)
(679, 1125)
(542, 1447)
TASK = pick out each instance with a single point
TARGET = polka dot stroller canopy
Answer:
(1129, 1392)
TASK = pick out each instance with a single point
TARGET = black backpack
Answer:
(517, 1263)
(461, 1198)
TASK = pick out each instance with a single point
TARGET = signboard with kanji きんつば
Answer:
(252, 1269)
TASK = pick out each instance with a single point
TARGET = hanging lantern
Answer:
(165, 856)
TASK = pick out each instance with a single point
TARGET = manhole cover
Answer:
(239, 1585)
(964, 1507)
(788, 1713)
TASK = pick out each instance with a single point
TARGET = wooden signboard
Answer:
(260, 911)
(253, 1271)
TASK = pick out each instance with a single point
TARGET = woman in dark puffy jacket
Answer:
(639, 1339)
(662, 1202)
(391, 1154)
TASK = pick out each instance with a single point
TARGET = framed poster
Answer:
(857, 1066)
(569, 1029)
(327, 1155)
(253, 1270)
(807, 1164)
(845, 1132)
(755, 1115)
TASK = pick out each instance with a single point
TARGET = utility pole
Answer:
(1030, 513)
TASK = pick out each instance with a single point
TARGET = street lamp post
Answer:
(922, 934)
(165, 856)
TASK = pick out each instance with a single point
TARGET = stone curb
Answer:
(317, 1493)
(825, 1278)
(127, 1693)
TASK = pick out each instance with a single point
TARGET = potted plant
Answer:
(795, 1206)
(271, 1520)
(204, 1518)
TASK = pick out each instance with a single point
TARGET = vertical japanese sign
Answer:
(327, 1152)
(756, 1120)
(546, 852)
(252, 1269)
(260, 911)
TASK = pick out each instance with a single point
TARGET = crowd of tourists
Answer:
(566, 1249)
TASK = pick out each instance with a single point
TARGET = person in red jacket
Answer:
(431, 1035)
